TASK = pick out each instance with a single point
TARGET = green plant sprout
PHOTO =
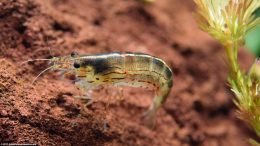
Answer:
(228, 21)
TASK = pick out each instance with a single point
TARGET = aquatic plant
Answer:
(229, 21)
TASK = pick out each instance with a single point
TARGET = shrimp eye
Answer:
(73, 54)
(76, 65)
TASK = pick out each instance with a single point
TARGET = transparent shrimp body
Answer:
(120, 69)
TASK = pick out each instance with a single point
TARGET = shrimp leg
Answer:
(86, 88)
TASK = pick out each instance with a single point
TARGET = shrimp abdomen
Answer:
(137, 70)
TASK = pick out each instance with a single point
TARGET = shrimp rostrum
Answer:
(120, 69)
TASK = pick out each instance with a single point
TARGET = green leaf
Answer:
(254, 71)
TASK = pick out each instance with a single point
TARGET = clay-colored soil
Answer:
(198, 112)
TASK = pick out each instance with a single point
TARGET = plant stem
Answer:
(241, 83)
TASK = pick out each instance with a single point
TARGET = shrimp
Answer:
(119, 69)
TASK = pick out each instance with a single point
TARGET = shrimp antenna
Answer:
(30, 60)
(50, 51)
(49, 48)
(41, 73)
